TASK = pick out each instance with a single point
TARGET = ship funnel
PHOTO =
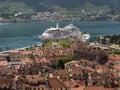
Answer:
(57, 25)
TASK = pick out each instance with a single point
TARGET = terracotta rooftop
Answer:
(3, 58)
(3, 61)
(72, 83)
(55, 83)
(94, 88)
(117, 67)
(89, 69)
(110, 89)
(34, 79)
(7, 71)
(77, 70)
(27, 60)
(114, 57)
(61, 73)
(79, 88)
(44, 61)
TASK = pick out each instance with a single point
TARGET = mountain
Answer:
(83, 9)
(41, 5)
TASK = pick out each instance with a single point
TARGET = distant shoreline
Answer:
(3, 23)
(62, 21)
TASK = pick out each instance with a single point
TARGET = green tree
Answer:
(64, 43)
(62, 60)
(8, 9)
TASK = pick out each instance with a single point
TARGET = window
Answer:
(65, 78)
(27, 88)
(34, 88)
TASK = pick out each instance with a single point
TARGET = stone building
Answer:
(6, 84)
(85, 51)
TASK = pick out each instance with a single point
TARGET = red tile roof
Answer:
(77, 70)
(61, 72)
(3, 58)
(88, 68)
(114, 57)
(34, 79)
(7, 71)
(79, 88)
(117, 67)
(71, 83)
(27, 60)
(110, 89)
(94, 88)
(56, 83)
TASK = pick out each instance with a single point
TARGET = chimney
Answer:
(89, 76)
(39, 73)
(89, 81)
(32, 77)
(51, 75)
(57, 25)
(119, 75)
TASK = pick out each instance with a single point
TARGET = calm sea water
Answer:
(19, 35)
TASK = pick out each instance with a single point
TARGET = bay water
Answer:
(18, 35)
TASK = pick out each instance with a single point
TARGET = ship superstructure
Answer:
(62, 33)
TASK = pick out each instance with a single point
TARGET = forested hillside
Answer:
(48, 4)
(10, 8)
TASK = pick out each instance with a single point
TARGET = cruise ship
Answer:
(65, 32)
